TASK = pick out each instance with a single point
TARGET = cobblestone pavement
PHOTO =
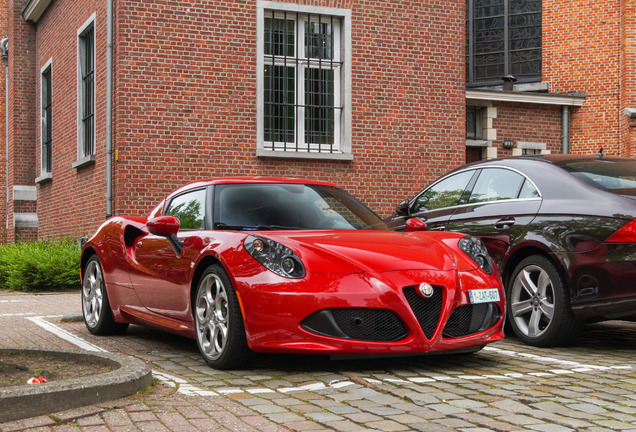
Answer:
(507, 386)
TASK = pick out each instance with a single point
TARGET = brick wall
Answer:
(581, 53)
(4, 17)
(628, 75)
(21, 106)
(529, 123)
(73, 203)
(186, 100)
(185, 103)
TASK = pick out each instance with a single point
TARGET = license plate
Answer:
(487, 295)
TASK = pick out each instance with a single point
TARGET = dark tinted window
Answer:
(503, 37)
(603, 173)
(290, 206)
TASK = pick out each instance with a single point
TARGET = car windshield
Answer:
(290, 206)
(605, 174)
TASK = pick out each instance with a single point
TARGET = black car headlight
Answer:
(475, 249)
(275, 257)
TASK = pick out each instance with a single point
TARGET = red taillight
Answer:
(626, 234)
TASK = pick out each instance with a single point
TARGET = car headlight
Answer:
(275, 257)
(475, 249)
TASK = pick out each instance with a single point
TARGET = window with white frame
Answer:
(86, 90)
(303, 80)
(46, 119)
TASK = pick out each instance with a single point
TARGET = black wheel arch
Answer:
(203, 264)
(524, 252)
(87, 253)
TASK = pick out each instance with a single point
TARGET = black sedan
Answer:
(562, 229)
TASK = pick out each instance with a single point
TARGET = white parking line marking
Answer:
(540, 359)
(16, 314)
(308, 387)
(183, 386)
(340, 384)
(188, 389)
(61, 333)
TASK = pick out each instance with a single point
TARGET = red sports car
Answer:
(292, 266)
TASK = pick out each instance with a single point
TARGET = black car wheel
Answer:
(218, 321)
(98, 315)
(539, 304)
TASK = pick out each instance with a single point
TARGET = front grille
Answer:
(373, 325)
(470, 319)
(426, 310)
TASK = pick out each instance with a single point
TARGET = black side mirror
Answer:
(402, 208)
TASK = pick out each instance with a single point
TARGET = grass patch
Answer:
(40, 266)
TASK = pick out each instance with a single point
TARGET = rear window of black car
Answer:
(605, 174)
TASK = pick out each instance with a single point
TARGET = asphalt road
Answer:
(507, 386)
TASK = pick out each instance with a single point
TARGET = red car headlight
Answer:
(275, 257)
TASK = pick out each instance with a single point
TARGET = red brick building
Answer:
(113, 103)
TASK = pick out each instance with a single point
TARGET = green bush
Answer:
(40, 266)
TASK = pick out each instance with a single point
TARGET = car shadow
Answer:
(615, 336)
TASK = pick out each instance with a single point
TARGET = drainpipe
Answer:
(109, 110)
(565, 129)
(5, 58)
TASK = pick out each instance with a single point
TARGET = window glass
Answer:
(302, 62)
(445, 193)
(87, 92)
(189, 208)
(46, 120)
(496, 184)
(290, 206)
(528, 190)
(603, 173)
(503, 37)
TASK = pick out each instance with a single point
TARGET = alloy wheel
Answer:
(532, 301)
(93, 293)
(212, 316)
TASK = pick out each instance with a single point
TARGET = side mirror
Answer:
(402, 208)
(415, 224)
(164, 226)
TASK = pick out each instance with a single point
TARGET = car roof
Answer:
(249, 180)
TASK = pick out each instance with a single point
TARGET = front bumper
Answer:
(368, 313)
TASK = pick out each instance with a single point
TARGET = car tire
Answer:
(538, 304)
(98, 315)
(218, 321)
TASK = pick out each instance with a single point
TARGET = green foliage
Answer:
(40, 266)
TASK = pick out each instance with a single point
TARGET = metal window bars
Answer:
(46, 124)
(88, 96)
(301, 77)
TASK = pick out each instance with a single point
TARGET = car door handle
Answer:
(440, 227)
(504, 223)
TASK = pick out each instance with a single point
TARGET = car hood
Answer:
(366, 251)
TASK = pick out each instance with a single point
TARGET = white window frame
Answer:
(44, 174)
(341, 149)
(82, 158)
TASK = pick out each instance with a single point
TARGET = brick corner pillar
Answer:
(20, 169)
